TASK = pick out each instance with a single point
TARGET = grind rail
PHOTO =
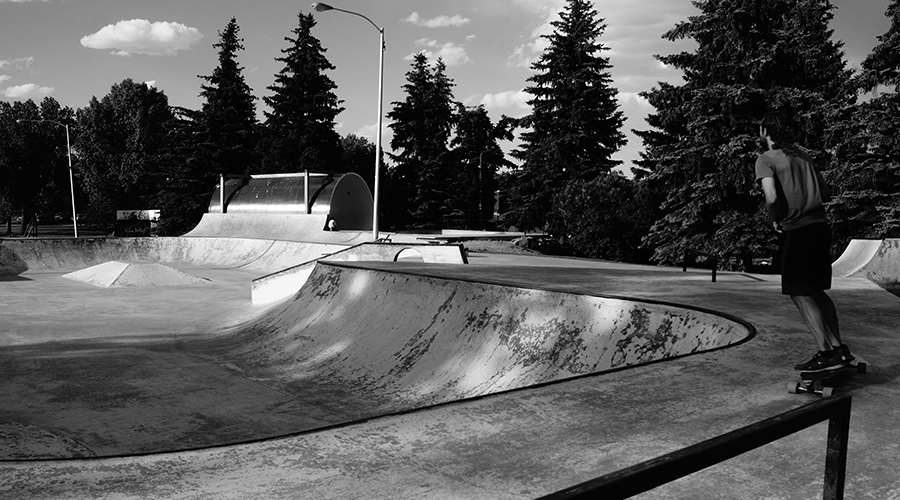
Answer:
(688, 262)
(647, 475)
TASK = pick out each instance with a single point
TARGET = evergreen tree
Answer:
(422, 125)
(751, 56)
(226, 127)
(299, 129)
(478, 155)
(187, 179)
(575, 124)
(866, 169)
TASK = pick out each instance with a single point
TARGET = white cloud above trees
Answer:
(27, 91)
(451, 53)
(442, 21)
(140, 36)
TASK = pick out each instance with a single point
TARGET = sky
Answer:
(74, 50)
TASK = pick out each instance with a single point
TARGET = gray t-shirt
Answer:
(801, 188)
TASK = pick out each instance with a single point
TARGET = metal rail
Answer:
(713, 259)
(645, 476)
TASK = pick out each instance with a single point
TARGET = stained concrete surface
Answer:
(516, 444)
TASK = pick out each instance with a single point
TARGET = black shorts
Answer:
(806, 260)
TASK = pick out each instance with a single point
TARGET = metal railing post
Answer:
(836, 453)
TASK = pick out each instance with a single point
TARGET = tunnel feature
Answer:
(342, 198)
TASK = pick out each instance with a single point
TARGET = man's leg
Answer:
(830, 316)
(815, 319)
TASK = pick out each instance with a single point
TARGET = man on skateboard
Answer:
(795, 195)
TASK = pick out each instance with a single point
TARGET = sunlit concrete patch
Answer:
(115, 274)
(414, 341)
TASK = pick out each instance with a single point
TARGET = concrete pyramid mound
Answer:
(114, 274)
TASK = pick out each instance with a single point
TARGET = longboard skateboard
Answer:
(814, 382)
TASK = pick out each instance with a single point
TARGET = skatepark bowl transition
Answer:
(217, 367)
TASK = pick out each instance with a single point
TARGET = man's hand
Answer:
(777, 226)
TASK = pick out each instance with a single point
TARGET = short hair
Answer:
(779, 128)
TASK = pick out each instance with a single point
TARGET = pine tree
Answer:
(575, 124)
(299, 129)
(477, 153)
(422, 125)
(751, 56)
(187, 178)
(227, 128)
(866, 169)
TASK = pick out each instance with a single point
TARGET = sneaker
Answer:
(844, 351)
(823, 360)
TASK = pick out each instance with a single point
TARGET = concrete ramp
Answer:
(115, 274)
(877, 260)
(263, 256)
(387, 342)
(856, 256)
(284, 227)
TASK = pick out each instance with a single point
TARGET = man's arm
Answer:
(768, 185)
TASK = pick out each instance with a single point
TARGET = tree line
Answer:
(692, 188)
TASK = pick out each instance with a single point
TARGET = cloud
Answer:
(451, 53)
(634, 99)
(525, 55)
(3, 78)
(17, 63)
(139, 36)
(369, 132)
(439, 21)
(514, 100)
(27, 91)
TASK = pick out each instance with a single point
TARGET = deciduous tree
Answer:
(120, 141)
(34, 168)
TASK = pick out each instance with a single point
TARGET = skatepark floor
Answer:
(107, 367)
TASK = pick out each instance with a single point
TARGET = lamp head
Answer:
(322, 7)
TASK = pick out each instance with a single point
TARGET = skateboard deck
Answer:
(814, 382)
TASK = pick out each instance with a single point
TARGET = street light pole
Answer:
(322, 7)
(71, 177)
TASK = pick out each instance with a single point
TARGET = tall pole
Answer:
(71, 181)
(322, 7)
(378, 134)
(71, 176)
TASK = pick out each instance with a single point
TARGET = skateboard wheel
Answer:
(827, 391)
(792, 387)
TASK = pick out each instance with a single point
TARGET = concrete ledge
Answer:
(284, 283)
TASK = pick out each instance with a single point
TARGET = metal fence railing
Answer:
(645, 476)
